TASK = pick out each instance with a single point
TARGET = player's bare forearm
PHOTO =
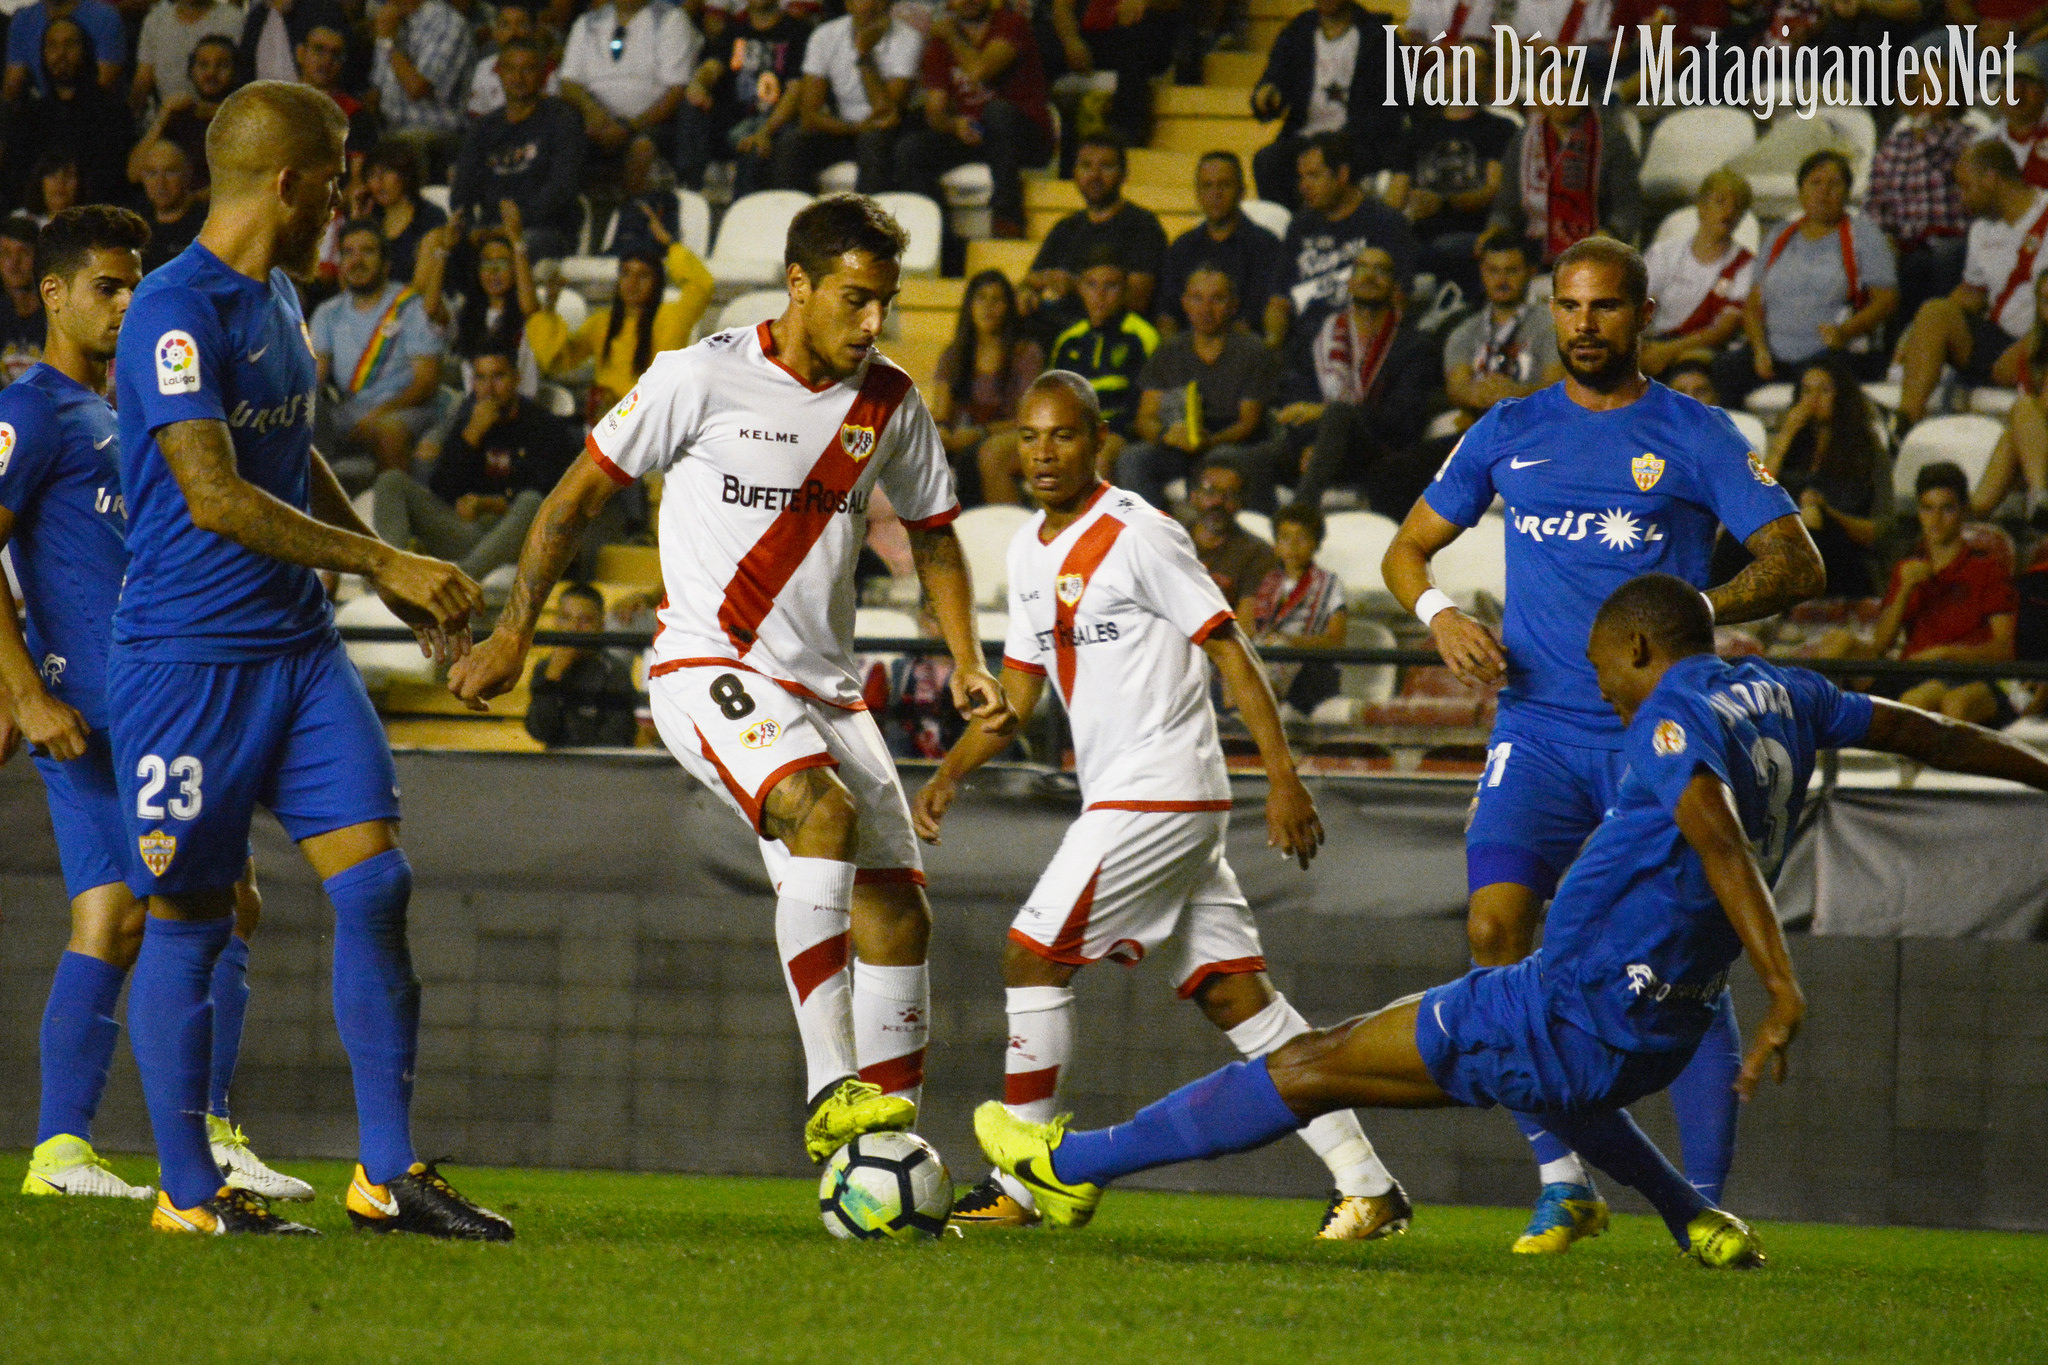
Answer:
(1405, 566)
(1244, 679)
(1952, 745)
(1707, 818)
(553, 540)
(201, 456)
(1787, 570)
(977, 744)
(329, 500)
(942, 569)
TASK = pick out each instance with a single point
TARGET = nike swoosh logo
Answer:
(101, 444)
(258, 354)
(386, 1206)
(1438, 1010)
(1025, 1173)
(1512, 464)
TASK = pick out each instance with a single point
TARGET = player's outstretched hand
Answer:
(980, 697)
(1468, 648)
(433, 586)
(443, 646)
(49, 726)
(1767, 1046)
(489, 670)
(1292, 825)
(934, 799)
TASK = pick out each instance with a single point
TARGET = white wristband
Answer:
(1430, 603)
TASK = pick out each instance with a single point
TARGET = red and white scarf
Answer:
(1561, 183)
(1348, 367)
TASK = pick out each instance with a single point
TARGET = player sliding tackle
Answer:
(1108, 598)
(1672, 887)
(774, 438)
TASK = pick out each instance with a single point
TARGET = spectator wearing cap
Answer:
(423, 51)
(1974, 326)
(1323, 77)
(857, 76)
(184, 118)
(1225, 239)
(624, 67)
(1913, 194)
(528, 152)
(169, 32)
(106, 44)
(21, 315)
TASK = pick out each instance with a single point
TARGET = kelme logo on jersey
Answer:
(6, 445)
(1758, 472)
(1668, 738)
(158, 848)
(858, 442)
(1069, 586)
(177, 362)
(762, 735)
(1648, 469)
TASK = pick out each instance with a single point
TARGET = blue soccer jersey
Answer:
(1637, 947)
(204, 342)
(60, 479)
(1593, 500)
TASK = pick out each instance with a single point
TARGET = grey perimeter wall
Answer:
(601, 989)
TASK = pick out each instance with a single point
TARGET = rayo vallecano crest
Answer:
(1068, 586)
(858, 441)
(1648, 469)
(158, 848)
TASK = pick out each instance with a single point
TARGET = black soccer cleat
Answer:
(422, 1202)
(231, 1212)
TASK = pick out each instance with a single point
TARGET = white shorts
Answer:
(1123, 880)
(740, 733)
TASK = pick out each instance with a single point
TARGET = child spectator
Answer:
(1299, 605)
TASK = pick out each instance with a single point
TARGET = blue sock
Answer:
(78, 1039)
(170, 1028)
(377, 1005)
(1232, 1110)
(1610, 1140)
(230, 1005)
(1542, 1141)
(1704, 1102)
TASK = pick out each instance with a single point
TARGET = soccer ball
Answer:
(886, 1185)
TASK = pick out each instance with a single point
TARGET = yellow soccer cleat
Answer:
(989, 1205)
(1564, 1214)
(1025, 1150)
(68, 1165)
(854, 1107)
(231, 1212)
(1721, 1241)
(1366, 1217)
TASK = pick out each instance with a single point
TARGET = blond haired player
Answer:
(1108, 599)
(774, 439)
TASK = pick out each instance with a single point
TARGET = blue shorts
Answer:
(1538, 799)
(85, 807)
(1488, 1038)
(199, 746)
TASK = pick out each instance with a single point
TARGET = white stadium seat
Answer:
(571, 308)
(985, 534)
(1752, 428)
(557, 400)
(1273, 217)
(1770, 401)
(382, 664)
(839, 177)
(756, 305)
(920, 218)
(1967, 440)
(437, 195)
(1475, 564)
(1258, 523)
(884, 623)
(750, 240)
(1368, 682)
(1690, 142)
(1353, 546)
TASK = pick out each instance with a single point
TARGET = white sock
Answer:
(1041, 1043)
(1566, 1170)
(1335, 1137)
(892, 1008)
(813, 929)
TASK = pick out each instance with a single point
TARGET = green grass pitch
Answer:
(613, 1268)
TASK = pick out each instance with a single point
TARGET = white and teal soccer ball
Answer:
(886, 1185)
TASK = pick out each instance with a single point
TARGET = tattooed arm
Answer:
(494, 666)
(201, 456)
(329, 503)
(942, 568)
(1787, 570)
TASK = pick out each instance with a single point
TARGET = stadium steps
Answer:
(488, 734)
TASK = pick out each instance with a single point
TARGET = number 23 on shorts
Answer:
(184, 803)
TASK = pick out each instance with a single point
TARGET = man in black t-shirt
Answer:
(170, 202)
(1243, 250)
(743, 95)
(1337, 220)
(1445, 177)
(1108, 222)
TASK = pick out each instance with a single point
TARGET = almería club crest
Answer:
(1648, 469)
(158, 848)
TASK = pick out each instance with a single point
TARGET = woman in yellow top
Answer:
(625, 337)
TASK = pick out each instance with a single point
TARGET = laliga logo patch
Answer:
(177, 363)
(859, 442)
(762, 735)
(6, 445)
(158, 848)
(1668, 738)
(1648, 469)
(1758, 472)
(618, 415)
(1069, 586)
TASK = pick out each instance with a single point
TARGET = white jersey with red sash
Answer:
(1691, 294)
(2002, 258)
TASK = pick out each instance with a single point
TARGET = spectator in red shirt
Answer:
(984, 101)
(1954, 602)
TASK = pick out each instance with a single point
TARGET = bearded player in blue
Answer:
(1605, 475)
(1672, 887)
(61, 511)
(227, 685)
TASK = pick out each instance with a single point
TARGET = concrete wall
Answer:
(601, 989)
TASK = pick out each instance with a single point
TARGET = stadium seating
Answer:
(748, 252)
(1687, 144)
(985, 534)
(571, 308)
(1474, 566)
(920, 218)
(756, 305)
(1353, 547)
(1966, 439)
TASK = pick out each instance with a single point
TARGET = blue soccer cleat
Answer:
(1564, 1214)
